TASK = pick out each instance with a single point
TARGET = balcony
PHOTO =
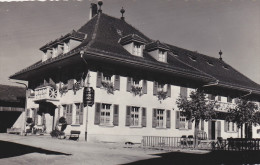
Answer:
(46, 93)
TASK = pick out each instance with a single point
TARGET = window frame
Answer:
(160, 118)
(106, 120)
(133, 119)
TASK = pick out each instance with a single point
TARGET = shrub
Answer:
(29, 120)
(55, 133)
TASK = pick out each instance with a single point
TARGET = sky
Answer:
(206, 26)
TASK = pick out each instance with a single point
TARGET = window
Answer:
(105, 114)
(64, 108)
(106, 77)
(137, 50)
(136, 82)
(161, 56)
(231, 127)
(160, 118)
(161, 87)
(135, 116)
(77, 113)
(183, 122)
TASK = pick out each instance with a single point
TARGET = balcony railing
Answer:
(46, 92)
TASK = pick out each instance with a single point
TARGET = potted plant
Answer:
(161, 95)
(136, 90)
(108, 86)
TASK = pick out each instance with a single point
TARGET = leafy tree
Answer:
(196, 108)
(243, 113)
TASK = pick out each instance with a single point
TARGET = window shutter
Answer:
(154, 119)
(97, 113)
(218, 129)
(144, 117)
(209, 130)
(177, 124)
(183, 92)
(69, 114)
(144, 87)
(70, 83)
(128, 116)
(129, 84)
(99, 79)
(202, 125)
(81, 113)
(58, 112)
(155, 86)
(168, 119)
(64, 110)
(36, 116)
(169, 90)
(43, 118)
(225, 126)
(116, 114)
(117, 82)
(189, 124)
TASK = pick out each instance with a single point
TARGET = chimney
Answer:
(93, 10)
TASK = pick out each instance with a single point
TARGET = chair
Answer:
(190, 140)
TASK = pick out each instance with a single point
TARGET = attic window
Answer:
(193, 58)
(161, 56)
(137, 49)
(225, 67)
(210, 62)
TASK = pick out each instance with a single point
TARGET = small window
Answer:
(105, 114)
(161, 56)
(137, 49)
(160, 118)
(136, 82)
(193, 58)
(106, 77)
(135, 116)
(210, 62)
(183, 122)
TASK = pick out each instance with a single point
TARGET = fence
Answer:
(230, 144)
(237, 144)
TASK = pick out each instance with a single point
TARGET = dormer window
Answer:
(133, 43)
(137, 49)
(162, 56)
(66, 47)
(157, 50)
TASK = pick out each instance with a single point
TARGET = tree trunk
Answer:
(196, 133)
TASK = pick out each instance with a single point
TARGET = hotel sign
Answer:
(88, 96)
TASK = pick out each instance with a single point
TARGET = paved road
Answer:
(16, 149)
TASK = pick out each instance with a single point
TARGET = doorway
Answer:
(213, 130)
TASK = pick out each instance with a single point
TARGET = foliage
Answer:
(63, 89)
(108, 86)
(77, 86)
(161, 95)
(243, 113)
(195, 109)
(136, 90)
(55, 133)
(62, 120)
(29, 120)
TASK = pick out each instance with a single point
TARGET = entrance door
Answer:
(213, 130)
(248, 131)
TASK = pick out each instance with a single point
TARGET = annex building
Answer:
(136, 80)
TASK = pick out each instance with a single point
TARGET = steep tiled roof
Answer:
(130, 38)
(11, 93)
(103, 34)
(156, 45)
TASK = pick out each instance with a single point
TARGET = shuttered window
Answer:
(144, 117)
(97, 113)
(99, 79)
(77, 113)
(69, 114)
(177, 123)
(116, 115)
(168, 119)
(81, 112)
(117, 82)
(135, 116)
(105, 114)
(128, 116)
(183, 92)
(144, 87)
(36, 116)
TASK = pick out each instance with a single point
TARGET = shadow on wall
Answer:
(7, 120)
(10, 149)
(214, 157)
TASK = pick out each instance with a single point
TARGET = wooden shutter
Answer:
(117, 82)
(58, 112)
(202, 125)
(154, 119)
(225, 126)
(218, 129)
(144, 117)
(36, 116)
(209, 130)
(43, 118)
(97, 113)
(189, 124)
(183, 92)
(128, 116)
(64, 110)
(144, 87)
(99, 79)
(168, 118)
(116, 115)
(81, 114)
(177, 121)
(129, 84)
(69, 114)
(155, 86)
(169, 90)
(70, 83)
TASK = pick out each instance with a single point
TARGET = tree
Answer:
(243, 113)
(196, 108)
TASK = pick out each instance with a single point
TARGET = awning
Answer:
(16, 109)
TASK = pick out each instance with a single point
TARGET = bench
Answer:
(14, 131)
(74, 135)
